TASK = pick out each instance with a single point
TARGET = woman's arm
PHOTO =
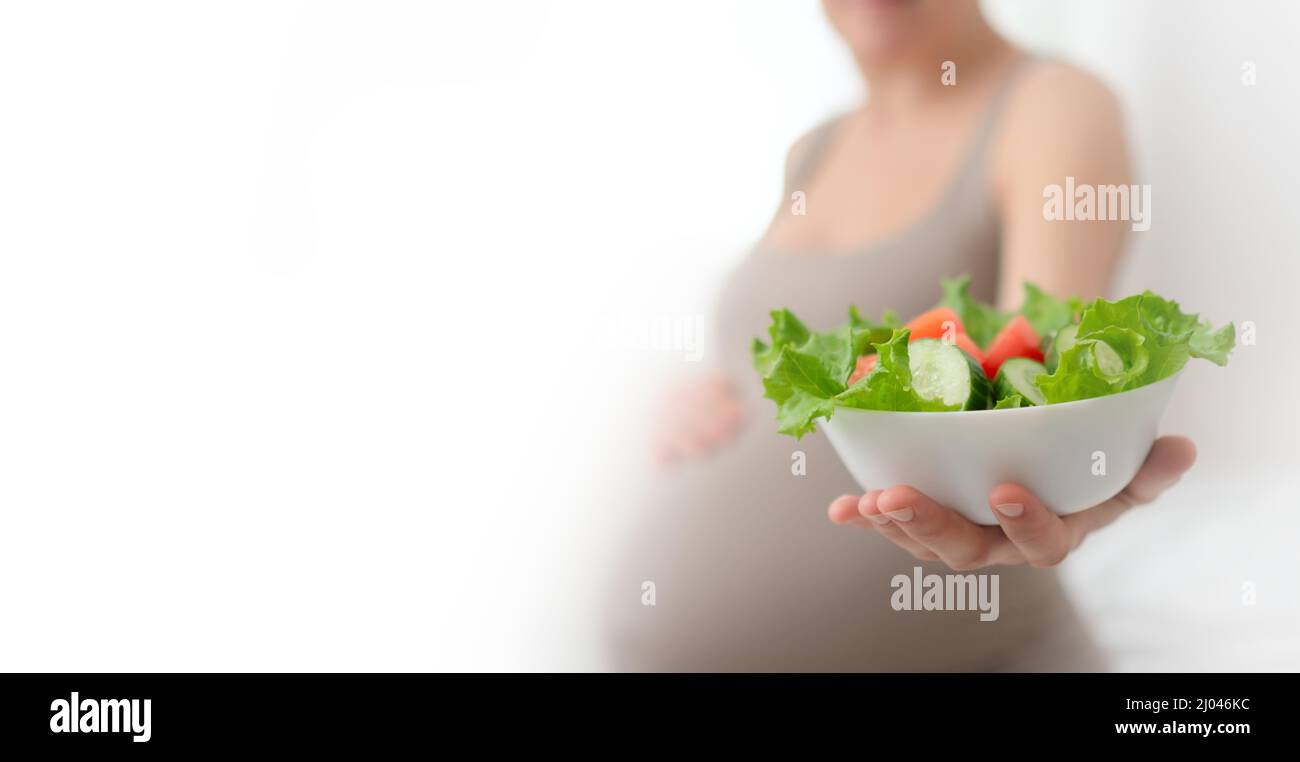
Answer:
(1061, 122)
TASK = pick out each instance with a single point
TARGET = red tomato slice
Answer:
(1016, 339)
(930, 325)
(864, 366)
(965, 342)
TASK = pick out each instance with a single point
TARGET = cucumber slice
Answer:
(1016, 376)
(944, 374)
(1109, 364)
(1065, 338)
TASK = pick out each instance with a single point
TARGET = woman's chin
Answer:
(881, 49)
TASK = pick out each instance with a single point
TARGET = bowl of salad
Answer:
(1062, 397)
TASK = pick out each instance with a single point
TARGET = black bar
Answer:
(206, 712)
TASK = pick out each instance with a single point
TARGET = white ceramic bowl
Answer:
(1073, 455)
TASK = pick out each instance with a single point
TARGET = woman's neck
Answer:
(907, 83)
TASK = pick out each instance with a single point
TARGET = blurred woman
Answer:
(941, 171)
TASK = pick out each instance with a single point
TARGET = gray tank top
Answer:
(958, 234)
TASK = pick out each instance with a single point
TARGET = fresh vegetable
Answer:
(1017, 378)
(1131, 343)
(967, 344)
(1046, 313)
(1016, 339)
(960, 341)
(864, 366)
(889, 385)
(1103, 348)
(1063, 340)
(982, 322)
(944, 374)
(938, 323)
(803, 372)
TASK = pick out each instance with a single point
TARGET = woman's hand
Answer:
(1026, 531)
(699, 415)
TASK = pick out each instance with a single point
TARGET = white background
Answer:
(318, 321)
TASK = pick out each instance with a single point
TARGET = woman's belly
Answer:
(749, 574)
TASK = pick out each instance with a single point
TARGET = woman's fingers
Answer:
(1046, 539)
(1169, 459)
(958, 542)
(869, 510)
(723, 419)
(844, 510)
(697, 419)
(1042, 537)
(1026, 531)
(861, 511)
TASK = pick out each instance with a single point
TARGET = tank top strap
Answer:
(818, 141)
(980, 142)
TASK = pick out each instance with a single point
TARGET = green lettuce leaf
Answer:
(1046, 313)
(888, 321)
(982, 321)
(1131, 343)
(1074, 378)
(877, 332)
(1209, 344)
(889, 385)
(803, 380)
(785, 330)
(1011, 401)
(801, 391)
(803, 370)
(808, 381)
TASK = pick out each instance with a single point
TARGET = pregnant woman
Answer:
(940, 172)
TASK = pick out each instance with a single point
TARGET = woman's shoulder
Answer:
(1060, 118)
(803, 151)
(1055, 103)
